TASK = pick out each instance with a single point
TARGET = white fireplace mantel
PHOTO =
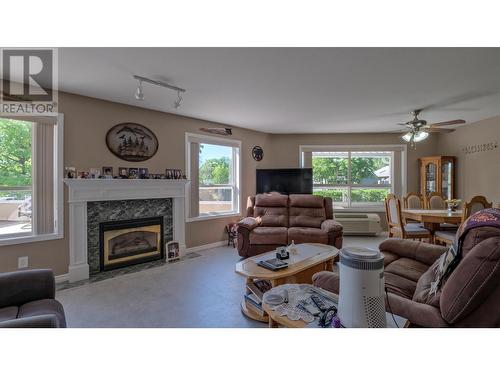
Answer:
(82, 191)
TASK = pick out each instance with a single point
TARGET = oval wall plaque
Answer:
(132, 142)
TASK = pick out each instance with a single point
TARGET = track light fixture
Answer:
(140, 94)
(177, 103)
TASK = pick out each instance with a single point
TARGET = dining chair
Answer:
(397, 226)
(413, 201)
(435, 201)
(476, 204)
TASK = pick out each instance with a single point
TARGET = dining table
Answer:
(432, 219)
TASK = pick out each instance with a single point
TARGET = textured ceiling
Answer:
(295, 90)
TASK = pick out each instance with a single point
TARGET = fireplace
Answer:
(127, 242)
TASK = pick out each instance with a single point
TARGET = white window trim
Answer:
(19, 238)
(236, 144)
(387, 147)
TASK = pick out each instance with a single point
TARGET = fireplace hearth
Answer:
(126, 242)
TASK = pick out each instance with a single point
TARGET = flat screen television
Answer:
(285, 181)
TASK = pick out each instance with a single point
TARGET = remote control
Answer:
(318, 302)
(310, 308)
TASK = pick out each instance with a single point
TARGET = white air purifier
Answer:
(362, 288)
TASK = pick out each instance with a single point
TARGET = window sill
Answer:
(31, 238)
(212, 216)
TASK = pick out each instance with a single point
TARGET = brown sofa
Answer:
(27, 300)
(469, 297)
(275, 220)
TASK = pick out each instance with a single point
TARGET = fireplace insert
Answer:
(127, 242)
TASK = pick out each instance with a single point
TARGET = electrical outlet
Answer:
(22, 262)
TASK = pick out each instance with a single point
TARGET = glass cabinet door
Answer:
(430, 178)
(446, 179)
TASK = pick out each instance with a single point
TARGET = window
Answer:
(16, 177)
(355, 177)
(213, 170)
(30, 188)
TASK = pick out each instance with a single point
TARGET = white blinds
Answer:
(194, 160)
(43, 178)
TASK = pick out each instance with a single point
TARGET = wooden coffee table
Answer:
(276, 320)
(310, 258)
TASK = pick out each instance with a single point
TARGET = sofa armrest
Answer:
(327, 280)
(40, 321)
(420, 314)
(249, 223)
(420, 251)
(18, 288)
(331, 225)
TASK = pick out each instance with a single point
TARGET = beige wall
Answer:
(86, 121)
(478, 173)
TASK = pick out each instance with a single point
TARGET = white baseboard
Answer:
(204, 247)
(62, 278)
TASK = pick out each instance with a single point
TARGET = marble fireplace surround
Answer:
(82, 191)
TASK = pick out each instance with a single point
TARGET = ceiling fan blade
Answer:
(397, 131)
(438, 130)
(452, 122)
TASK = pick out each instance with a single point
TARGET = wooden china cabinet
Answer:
(437, 174)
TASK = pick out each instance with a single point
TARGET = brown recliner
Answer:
(276, 220)
(469, 297)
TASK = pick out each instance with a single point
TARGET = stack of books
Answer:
(253, 298)
(273, 264)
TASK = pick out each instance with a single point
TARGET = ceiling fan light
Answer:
(420, 136)
(407, 137)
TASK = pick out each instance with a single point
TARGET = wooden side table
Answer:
(310, 258)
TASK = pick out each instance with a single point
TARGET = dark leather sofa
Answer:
(27, 300)
(469, 297)
(275, 220)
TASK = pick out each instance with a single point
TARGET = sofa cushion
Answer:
(474, 284)
(389, 257)
(269, 236)
(306, 210)
(271, 200)
(477, 235)
(407, 268)
(306, 201)
(304, 235)
(307, 217)
(422, 291)
(43, 307)
(8, 313)
(399, 285)
(272, 216)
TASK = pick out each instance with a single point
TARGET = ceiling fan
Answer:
(417, 129)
